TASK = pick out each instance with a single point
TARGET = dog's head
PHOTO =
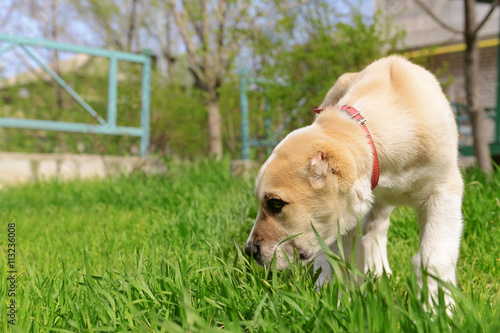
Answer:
(308, 179)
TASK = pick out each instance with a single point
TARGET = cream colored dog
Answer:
(321, 175)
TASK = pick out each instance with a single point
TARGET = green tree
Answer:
(310, 46)
(213, 32)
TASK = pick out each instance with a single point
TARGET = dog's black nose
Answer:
(253, 250)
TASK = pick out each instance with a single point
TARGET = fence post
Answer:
(112, 91)
(145, 102)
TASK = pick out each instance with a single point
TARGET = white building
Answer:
(423, 32)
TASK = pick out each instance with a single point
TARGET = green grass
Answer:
(163, 254)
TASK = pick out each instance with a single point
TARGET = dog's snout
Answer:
(253, 250)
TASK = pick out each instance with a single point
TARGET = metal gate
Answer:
(104, 126)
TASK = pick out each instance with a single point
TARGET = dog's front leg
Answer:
(374, 239)
(350, 242)
(440, 222)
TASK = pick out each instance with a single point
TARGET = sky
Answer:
(76, 31)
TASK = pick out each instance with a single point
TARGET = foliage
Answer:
(163, 254)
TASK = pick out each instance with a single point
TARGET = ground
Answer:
(163, 253)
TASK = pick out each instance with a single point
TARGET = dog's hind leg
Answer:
(374, 239)
(440, 222)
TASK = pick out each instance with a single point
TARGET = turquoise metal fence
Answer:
(271, 139)
(465, 129)
(105, 126)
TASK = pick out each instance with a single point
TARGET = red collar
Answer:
(361, 121)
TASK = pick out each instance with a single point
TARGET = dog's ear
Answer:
(330, 159)
(320, 169)
(339, 89)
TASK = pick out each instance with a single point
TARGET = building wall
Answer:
(423, 31)
(455, 91)
(454, 61)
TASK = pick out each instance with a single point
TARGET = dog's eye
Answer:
(275, 205)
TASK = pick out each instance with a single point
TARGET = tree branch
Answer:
(486, 17)
(422, 5)
(194, 61)
(220, 47)
(131, 25)
(205, 39)
(8, 14)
